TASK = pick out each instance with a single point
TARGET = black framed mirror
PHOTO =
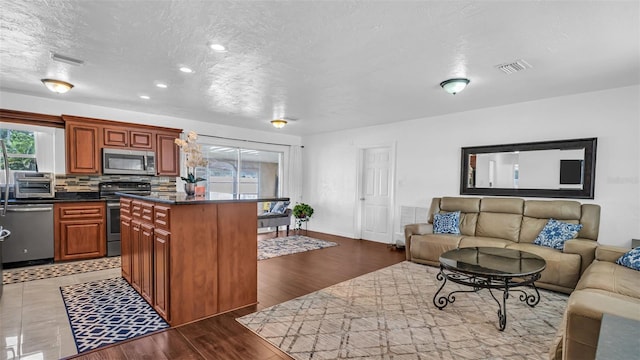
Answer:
(555, 169)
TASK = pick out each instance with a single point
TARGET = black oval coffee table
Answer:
(490, 268)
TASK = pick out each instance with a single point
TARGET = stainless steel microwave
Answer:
(128, 162)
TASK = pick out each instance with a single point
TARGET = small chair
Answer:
(279, 215)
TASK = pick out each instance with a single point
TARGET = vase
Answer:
(190, 188)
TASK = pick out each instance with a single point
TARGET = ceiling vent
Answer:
(515, 66)
(66, 59)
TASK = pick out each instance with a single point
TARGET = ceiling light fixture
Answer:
(57, 86)
(145, 97)
(161, 85)
(454, 86)
(187, 70)
(217, 48)
(278, 123)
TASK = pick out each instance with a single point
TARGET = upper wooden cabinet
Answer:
(119, 136)
(85, 138)
(168, 159)
(82, 148)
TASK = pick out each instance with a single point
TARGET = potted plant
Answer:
(302, 212)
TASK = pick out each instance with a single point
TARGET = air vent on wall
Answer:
(515, 66)
(66, 59)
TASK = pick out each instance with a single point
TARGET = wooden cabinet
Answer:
(141, 139)
(136, 264)
(125, 238)
(161, 257)
(168, 161)
(114, 137)
(201, 259)
(86, 137)
(120, 136)
(125, 247)
(79, 230)
(82, 147)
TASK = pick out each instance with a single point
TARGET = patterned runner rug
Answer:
(270, 248)
(107, 311)
(13, 276)
(389, 314)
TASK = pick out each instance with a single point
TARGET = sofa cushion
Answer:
(497, 225)
(562, 269)
(630, 259)
(472, 241)
(590, 219)
(610, 277)
(557, 209)
(499, 205)
(555, 233)
(468, 223)
(462, 204)
(531, 228)
(446, 223)
(429, 247)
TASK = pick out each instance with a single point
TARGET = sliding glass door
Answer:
(243, 173)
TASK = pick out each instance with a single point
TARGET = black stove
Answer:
(107, 191)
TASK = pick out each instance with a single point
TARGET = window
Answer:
(242, 172)
(21, 149)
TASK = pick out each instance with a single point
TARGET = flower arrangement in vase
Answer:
(193, 159)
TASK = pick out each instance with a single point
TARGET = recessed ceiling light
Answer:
(144, 97)
(161, 85)
(217, 48)
(185, 69)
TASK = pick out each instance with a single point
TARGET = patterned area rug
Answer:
(13, 276)
(107, 311)
(389, 314)
(270, 248)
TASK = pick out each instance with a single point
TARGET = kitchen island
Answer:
(190, 257)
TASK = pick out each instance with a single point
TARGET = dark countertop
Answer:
(61, 197)
(48, 201)
(180, 198)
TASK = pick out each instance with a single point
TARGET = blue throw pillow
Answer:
(446, 223)
(630, 259)
(280, 207)
(555, 233)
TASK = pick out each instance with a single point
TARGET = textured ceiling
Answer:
(332, 65)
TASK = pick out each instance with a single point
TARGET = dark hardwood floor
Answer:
(279, 279)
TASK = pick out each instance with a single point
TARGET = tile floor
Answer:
(33, 319)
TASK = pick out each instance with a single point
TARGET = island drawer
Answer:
(162, 217)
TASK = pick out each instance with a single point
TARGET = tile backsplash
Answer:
(160, 185)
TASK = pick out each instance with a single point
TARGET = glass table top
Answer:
(492, 261)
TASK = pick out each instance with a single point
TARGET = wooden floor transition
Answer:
(279, 279)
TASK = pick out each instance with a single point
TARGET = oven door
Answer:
(113, 228)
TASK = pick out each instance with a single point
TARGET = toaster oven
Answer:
(30, 185)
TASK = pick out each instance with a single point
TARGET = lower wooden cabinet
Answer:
(161, 246)
(146, 262)
(79, 230)
(125, 247)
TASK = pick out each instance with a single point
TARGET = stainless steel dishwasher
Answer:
(31, 240)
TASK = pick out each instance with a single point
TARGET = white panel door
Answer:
(376, 194)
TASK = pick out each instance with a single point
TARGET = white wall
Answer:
(428, 156)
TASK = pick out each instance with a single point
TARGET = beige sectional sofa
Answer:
(512, 223)
(605, 287)
(601, 286)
